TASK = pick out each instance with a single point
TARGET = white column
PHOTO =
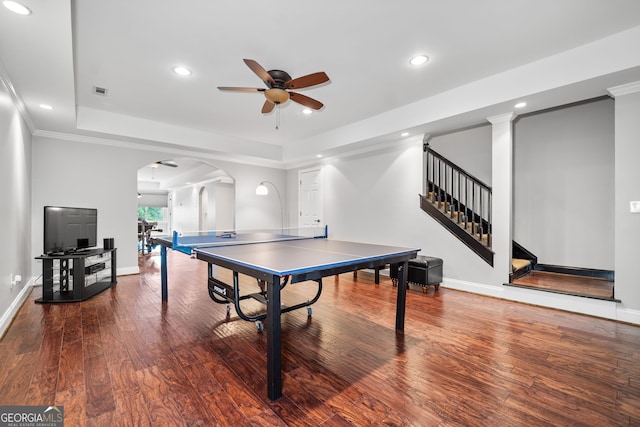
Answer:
(627, 189)
(502, 195)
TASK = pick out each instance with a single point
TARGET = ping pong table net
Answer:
(196, 239)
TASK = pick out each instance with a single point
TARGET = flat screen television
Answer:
(69, 230)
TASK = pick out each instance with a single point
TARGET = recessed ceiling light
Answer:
(319, 156)
(404, 134)
(46, 106)
(520, 105)
(419, 60)
(307, 111)
(182, 71)
(16, 7)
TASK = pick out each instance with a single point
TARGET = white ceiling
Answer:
(157, 177)
(483, 56)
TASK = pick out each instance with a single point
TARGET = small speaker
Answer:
(108, 243)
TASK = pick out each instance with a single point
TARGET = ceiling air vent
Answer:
(100, 91)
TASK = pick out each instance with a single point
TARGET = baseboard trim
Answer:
(561, 292)
(628, 315)
(12, 311)
(591, 307)
(576, 271)
(127, 271)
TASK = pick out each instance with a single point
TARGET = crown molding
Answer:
(507, 117)
(625, 89)
(16, 99)
(240, 159)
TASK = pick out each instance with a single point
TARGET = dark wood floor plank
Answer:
(75, 405)
(202, 379)
(43, 386)
(193, 409)
(223, 410)
(131, 409)
(71, 372)
(50, 348)
(123, 376)
(17, 375)
(97, 386)
(125, 358)
(165, 411)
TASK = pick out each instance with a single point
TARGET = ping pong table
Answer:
(275, 259)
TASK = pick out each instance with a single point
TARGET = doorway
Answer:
(310, 198)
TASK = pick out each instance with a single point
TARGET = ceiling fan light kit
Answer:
(277, 96)
(279, 84)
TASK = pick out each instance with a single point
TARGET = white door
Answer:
(310, 197)
(203, 202)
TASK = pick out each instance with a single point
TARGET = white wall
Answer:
(627, 179)
(564, 185)
(69, 173)
(184, 208)
(374, 198)
(563, 180)
(83, 173)
(185, 204)
(15, 208)
(225, 202)
(469, 148)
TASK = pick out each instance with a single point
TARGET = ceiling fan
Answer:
(170, 163)
(279, 84)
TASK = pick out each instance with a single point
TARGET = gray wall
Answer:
(563, 180)
(15, 208)
(564, 185)
(469, 149)
(627, 179)
(373, 197)
(81, 173)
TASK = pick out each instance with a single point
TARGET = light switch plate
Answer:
(634, 207)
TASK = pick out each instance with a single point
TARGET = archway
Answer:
(190, 195)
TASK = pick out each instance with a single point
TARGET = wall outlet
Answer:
(634, 207)
(14, 280)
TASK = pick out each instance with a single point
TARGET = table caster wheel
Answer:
(259, 326)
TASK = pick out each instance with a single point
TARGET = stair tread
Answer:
(470, 227)
(519, 264)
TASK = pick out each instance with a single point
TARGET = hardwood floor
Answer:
(124, 358)
(567, 284)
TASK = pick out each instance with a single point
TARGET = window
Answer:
(151, 213)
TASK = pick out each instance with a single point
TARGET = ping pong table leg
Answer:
(403, 267)
(274, 340)
(163, 273)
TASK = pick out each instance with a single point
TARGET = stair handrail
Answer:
(478, 210)
(427, 149)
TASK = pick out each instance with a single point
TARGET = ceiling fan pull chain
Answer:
(277, 116)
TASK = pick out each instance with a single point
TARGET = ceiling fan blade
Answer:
(308, 80)
(170, 163)
(267, 107)
(241, 89)
(305, 100)
(261, 72)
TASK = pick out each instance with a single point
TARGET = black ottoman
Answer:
(423, 271)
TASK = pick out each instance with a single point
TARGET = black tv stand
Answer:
(91, 272)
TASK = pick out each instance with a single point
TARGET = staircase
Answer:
(458, 201)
